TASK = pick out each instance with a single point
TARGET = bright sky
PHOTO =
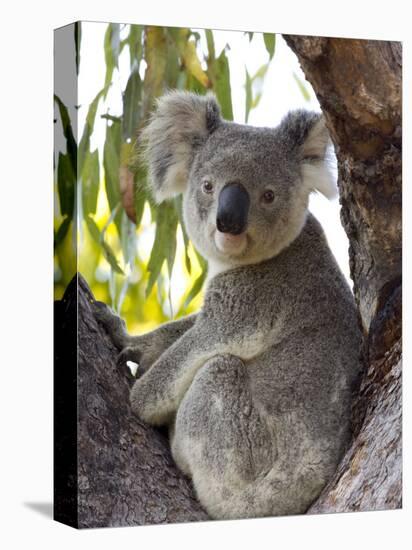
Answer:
(280, 94)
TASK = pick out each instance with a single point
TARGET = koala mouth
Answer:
(230, 244)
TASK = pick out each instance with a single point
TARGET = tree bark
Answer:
(124, 473)
(358, 85)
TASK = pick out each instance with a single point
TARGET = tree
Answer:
(123, 471)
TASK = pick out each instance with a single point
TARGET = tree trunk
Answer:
(358, 85)
(122, 472)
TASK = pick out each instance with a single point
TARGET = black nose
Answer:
(233, 209)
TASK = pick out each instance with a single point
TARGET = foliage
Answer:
(103, 210)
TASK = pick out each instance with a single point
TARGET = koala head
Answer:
(245, 189)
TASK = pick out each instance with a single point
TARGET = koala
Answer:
(255, 388)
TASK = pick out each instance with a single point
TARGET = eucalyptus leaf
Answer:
(196, 288)
(302, 87)
(249, 95)
(111, 52)
(132, 105)
(139, 193)
(174, 67)
(164, 246)
(179, 209)
(135, 46)
(93, 229)
(193, 64)
(62, 231)
(221, 85)
(270, 43)
(66, 184)
(111, 258)
(71, 144)
(111, 164)
(210, 44)
(128, 238)
(98, 237)
(90, 182)
(155, 54)
(88, 129)
(261, 72)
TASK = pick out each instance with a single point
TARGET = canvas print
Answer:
(227, 274)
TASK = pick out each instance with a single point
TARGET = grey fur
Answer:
(256, 388)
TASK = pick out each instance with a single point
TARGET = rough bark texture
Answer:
(358, 84)
(126, 475)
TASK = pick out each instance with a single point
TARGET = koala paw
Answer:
(131, 357)
(105, 315)
(113, 324)
(141, 396)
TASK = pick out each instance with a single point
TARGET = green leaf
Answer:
(88, 130)
(128, 238)
(302, 87)
(106, 249)
(132, 105)
(66, 184)
(93, 229)
(173, 63)
(164, 246)
(90, 182)
(155, 54)
(140, 193)
(261, 72)
(111, 52)
(135, 46)
(210, 44)
(249, 96)
(196, 288)
(221, 85)
(111, 164)
(270, 43)
(77, 41)
(193, 64)
(179, 208)
(111, 258)
(71, 144)
(62, 231)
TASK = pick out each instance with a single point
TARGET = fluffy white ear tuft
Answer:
(181, 122)
(317, 171)
(320, 177)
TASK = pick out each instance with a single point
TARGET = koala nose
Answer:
(233, 209)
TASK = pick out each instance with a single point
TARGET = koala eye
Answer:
(207, 187)
(268, 196)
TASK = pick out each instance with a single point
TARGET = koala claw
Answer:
(101, 310)
(105, 315)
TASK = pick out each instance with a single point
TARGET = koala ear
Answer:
(180, 123)
(309, 133)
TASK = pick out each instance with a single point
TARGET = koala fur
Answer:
(256, 387)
